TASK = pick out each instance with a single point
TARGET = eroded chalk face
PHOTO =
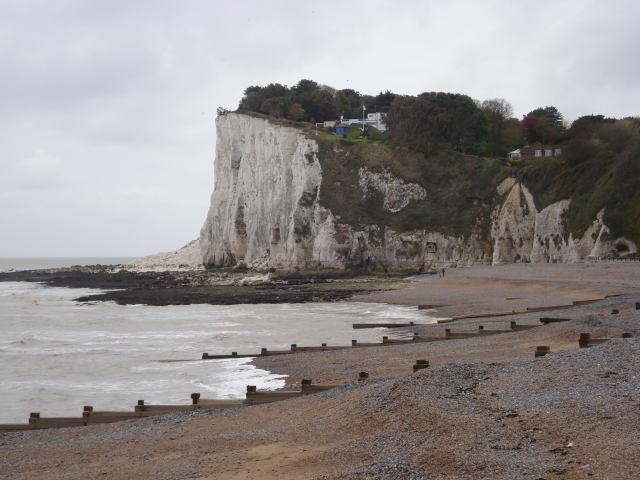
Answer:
(270, 208)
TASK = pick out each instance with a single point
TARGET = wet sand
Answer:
(505, 288)
(484, 409)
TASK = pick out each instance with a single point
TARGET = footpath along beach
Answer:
(485, 407)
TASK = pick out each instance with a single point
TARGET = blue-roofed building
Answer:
(342, 129)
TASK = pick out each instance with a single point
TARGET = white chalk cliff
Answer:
(265, 212)
(521, 233)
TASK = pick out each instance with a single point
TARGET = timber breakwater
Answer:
(257, 397)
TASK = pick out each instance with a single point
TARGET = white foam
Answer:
(56, 355)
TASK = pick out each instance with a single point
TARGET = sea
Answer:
(14, 264)
(57, 355)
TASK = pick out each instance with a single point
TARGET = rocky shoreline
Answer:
(217, 287)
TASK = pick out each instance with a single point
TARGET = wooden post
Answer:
(420, 365)
(637, 305)
(87, 408)
(235, 354)
(251, 388)
(542, 351)
(34, 415)
(354, 343)
(140, 402)
(362, 376)
(627, 335)
(615, 311)
(263, 351)
(305, 381)
(205, 355)
(584, 340)
(195, 397)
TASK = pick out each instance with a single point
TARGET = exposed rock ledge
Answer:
(265, 212)
(396, 194)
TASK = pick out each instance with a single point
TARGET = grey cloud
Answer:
(115, 90)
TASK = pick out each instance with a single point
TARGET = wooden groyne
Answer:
(385, 325)
(449, 334)
(547, 320)
(386, 341)
(576, 303)
(255, 397)
(141, 410)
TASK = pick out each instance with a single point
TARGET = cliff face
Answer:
(267, 210)
(521, 233)
(264, 205)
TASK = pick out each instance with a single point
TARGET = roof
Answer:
(538, 147)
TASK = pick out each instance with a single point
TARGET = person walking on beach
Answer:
(443, 273)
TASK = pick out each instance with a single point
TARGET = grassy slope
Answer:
(459, 187)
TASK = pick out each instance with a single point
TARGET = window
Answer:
(538, 153)
(558, 152)
(547, 152)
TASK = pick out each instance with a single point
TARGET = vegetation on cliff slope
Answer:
(599, 170)
(459, 188)
(455, 148)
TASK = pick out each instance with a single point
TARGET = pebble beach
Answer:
(485, 408)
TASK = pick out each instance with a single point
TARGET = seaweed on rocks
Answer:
(127, 287)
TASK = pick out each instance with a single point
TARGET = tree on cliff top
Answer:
(318, 102)
(588, 124)
(499, 111)
(544, 125)
(432, 121)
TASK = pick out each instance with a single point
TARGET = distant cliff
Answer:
(284, 198)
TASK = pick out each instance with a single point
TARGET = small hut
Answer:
(342, 129)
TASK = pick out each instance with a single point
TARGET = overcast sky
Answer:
(107, 109)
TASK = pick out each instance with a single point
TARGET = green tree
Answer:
(295, 112)
(551, 114)
(498, 110)
(587, 125)
(512, 134)
(384, 100)
(273, 106)
(544, 125)
(432, 121)
(345, 106)
(355, 99)
(325, 105)
(255, 96)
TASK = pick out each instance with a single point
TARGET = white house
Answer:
(514, 154)
(373, 120)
